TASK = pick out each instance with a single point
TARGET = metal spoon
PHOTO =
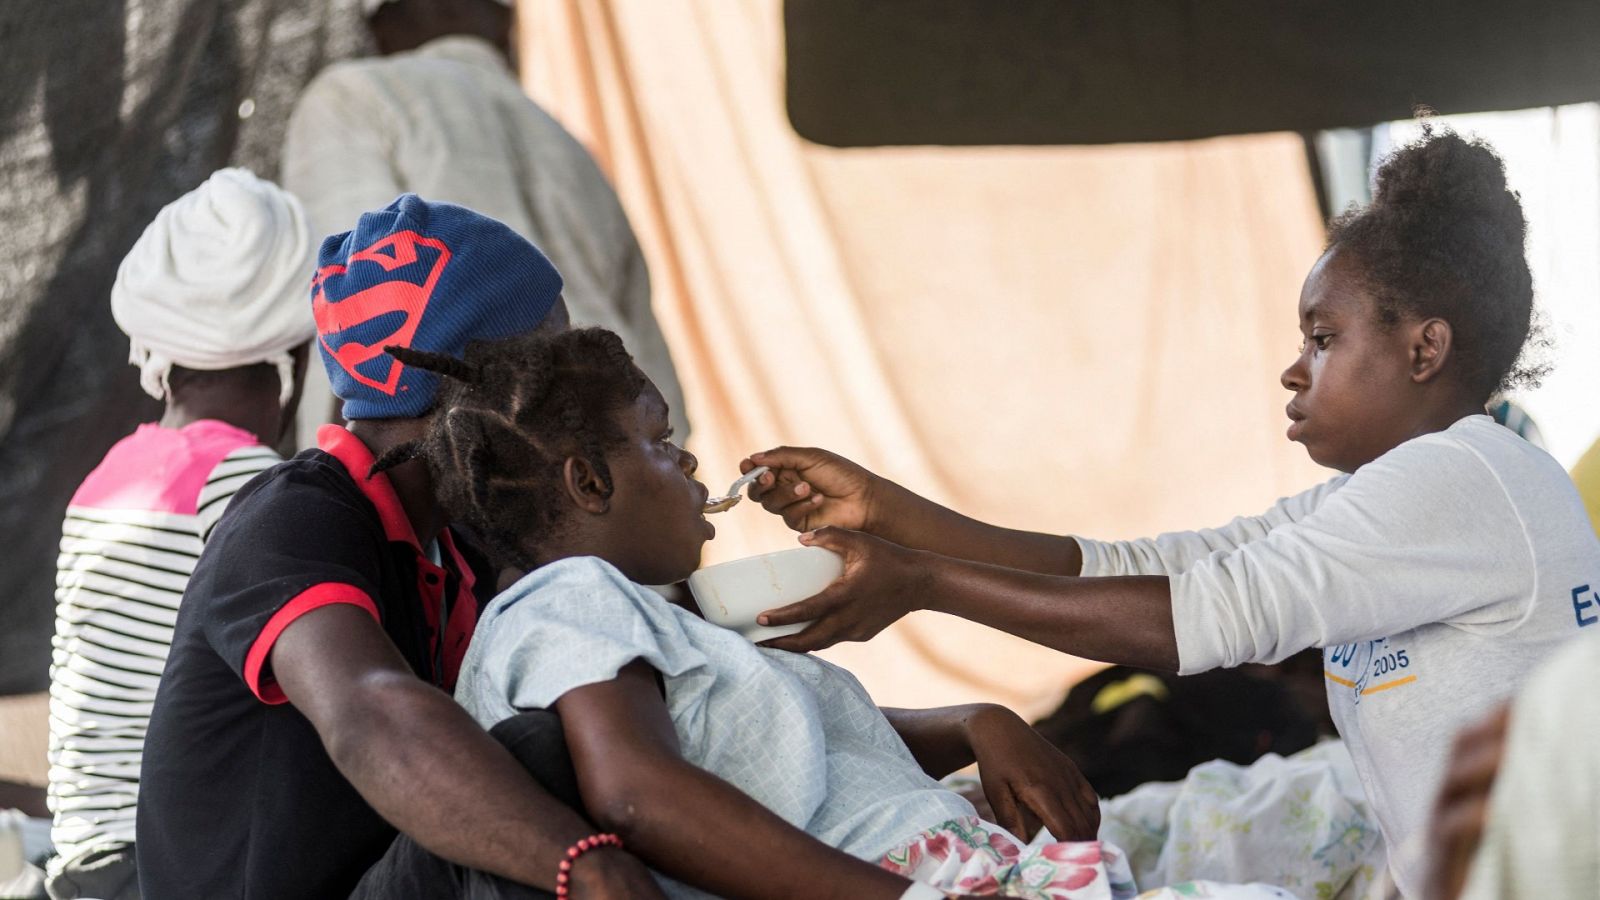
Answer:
(733, 496)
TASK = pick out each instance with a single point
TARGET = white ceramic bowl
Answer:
(732, 594)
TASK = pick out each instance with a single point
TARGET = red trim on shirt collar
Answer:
(447, 544)
(357, 459)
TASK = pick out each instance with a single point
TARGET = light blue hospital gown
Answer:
(799, 735)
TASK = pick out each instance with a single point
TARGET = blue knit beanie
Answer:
(428, 276)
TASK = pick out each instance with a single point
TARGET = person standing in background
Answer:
(211, 298)
(441, 115)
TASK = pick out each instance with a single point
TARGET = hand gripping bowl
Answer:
(732, 594)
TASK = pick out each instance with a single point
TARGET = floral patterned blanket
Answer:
(971, 856)
(1296, 828)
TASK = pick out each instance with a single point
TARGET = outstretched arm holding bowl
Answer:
(903, 552)
(1125, 620)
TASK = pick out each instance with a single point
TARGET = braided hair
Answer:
(1444, 236)
(507, 416)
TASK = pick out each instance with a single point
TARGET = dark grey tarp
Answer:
(881, 72)
(109, 109)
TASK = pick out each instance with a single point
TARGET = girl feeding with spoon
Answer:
(731, 769)
(1446, 560)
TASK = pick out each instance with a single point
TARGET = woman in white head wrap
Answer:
(217, 286)
(219, 280)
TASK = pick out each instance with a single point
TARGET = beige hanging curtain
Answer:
(1064, 339)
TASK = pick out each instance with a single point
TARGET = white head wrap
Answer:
(220, 279)
(368, 7)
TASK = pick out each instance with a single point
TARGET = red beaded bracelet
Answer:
(564, 871)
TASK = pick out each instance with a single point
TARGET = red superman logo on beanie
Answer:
(400, 293)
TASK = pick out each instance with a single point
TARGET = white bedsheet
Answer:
(1300, 823)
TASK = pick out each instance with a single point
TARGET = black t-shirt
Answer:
(238, 798)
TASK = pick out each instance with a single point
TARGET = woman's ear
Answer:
(584, 486)
(1431, 343)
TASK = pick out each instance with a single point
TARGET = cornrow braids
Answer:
(438, 363)
(394, 456)
(507, 416)
(1444, 236)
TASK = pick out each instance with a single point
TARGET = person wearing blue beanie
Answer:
(304, 742)
(424, 276)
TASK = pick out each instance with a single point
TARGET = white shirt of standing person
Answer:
(1542, 837)
(449, 122)
(1435, 577)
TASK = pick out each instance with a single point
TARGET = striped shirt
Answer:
(132, 534)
